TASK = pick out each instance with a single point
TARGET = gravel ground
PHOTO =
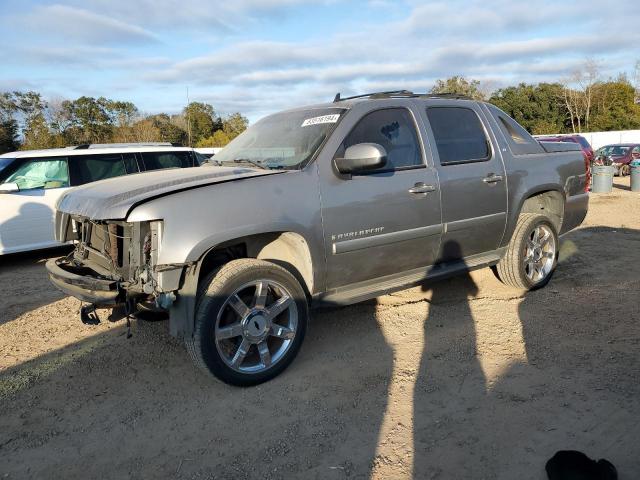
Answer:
(465, 378)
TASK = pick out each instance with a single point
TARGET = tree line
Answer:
(579, 103)
(28, 122)
(582, 102)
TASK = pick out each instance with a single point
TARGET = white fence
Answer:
(599, 139)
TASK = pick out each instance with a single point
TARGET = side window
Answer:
(395, 130)
(520, 141)
(159, 160)
(635, 153)
(91, 168)
(130, 162)
(200, 158)
(459, 135)
(43, 173)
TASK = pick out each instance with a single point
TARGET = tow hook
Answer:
(88, 314)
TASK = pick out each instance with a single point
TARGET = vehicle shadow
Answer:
(138, 408)
(450, 385)
(577, 387)
(25, 283)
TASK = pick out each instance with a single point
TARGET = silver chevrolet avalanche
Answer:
(329, 204)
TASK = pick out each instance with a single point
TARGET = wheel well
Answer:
(550, 203)
(287, 249)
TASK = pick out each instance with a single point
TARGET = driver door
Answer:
(385, 221)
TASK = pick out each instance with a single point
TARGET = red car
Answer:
(587, 151)
(621, 155)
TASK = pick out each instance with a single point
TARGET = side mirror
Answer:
(9, 188)
(362, 157)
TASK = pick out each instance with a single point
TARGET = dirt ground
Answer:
(464, 379)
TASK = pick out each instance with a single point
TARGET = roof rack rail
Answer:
(390, 93)
(403, 94)
(87, 146)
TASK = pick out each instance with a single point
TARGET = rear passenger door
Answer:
(472, 180)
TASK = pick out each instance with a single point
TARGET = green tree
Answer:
(460, 85)
(89, 120)
(8, 135)
(201, 121)
(122, 114)
(614, 106)
(38, 134)
(168, 130)
(218, 139)
(538, 108)
(234, 125)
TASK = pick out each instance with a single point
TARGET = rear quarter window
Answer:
(160, 160)
(520, 141)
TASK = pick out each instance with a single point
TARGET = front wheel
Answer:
(625, 170)
(251, 318)
(532, 254)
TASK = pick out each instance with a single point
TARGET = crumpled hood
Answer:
(112, 199)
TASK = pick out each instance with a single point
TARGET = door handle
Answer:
(492, 178)
(422, 188)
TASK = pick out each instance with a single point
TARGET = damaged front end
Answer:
(114, 264)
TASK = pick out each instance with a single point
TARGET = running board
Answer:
(361, 291)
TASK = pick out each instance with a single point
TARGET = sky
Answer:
(261, 56)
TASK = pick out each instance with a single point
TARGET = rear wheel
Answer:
(532, 253)
(624, 170)
(251, 318)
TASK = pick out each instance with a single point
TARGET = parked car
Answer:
(324, 205)
(31, 181)
(585, 146)
(208, 152)
(620, 156)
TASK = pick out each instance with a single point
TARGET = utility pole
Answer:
(188, 118)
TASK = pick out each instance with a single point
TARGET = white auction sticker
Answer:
(323, 119)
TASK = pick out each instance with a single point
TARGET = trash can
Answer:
(602, 178)
(635, 175)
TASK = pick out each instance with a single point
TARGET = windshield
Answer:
(4, 162)
(282, 141)
(613, 150)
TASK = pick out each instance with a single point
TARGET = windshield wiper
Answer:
(251, 162)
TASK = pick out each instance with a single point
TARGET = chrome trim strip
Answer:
(473, 222)
(385, 239)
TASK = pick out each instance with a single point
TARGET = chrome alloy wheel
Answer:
(540, 254)
(256, 326)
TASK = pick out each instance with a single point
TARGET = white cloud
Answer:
(498, 41)
(87, 26)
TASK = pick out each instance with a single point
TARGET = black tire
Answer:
(511, 269)
(213, 294)
(624, 171)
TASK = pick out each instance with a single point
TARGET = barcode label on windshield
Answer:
(322, 119)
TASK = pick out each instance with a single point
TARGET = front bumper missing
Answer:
(99, 291)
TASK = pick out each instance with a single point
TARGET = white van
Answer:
(31, 181)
